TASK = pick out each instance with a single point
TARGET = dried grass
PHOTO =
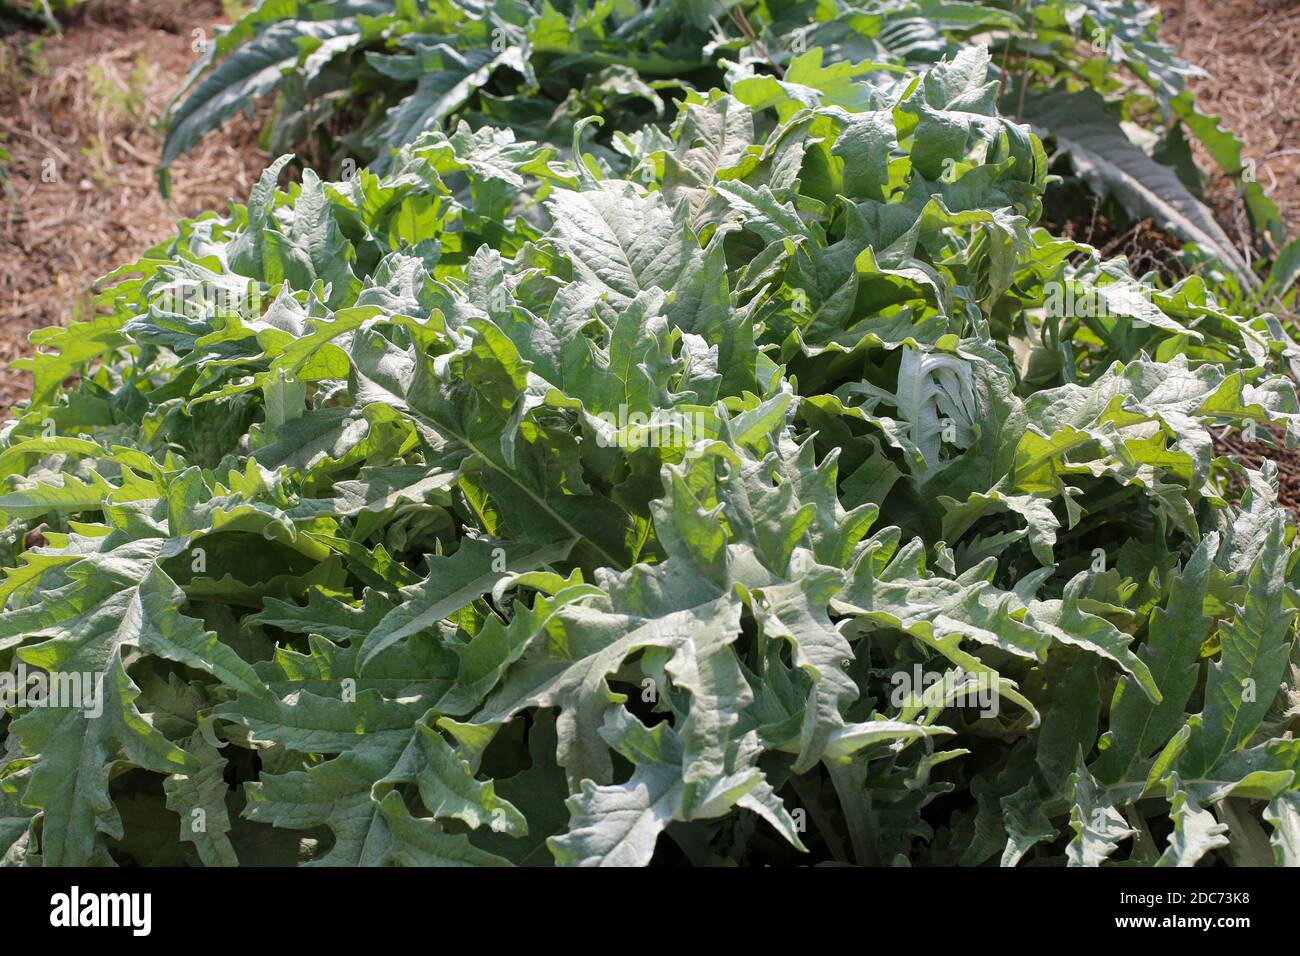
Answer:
(76, 112)
(1251, 51)
(1253, 453)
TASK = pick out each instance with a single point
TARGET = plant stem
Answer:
(808, 798)
(742, 21)
(848, 779)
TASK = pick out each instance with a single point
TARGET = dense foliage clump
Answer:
(355, 79)
(772, 489)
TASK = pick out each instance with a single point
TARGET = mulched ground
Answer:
(1250, 50)
(1146, 248)
(76, 112)
(1253, 454)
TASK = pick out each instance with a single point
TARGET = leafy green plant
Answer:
(357, 78)
(498, 508)
(1060, 64)
(28, 14)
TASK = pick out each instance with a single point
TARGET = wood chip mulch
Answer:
(1254, 453)
(77, 110)
(1250, 51)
